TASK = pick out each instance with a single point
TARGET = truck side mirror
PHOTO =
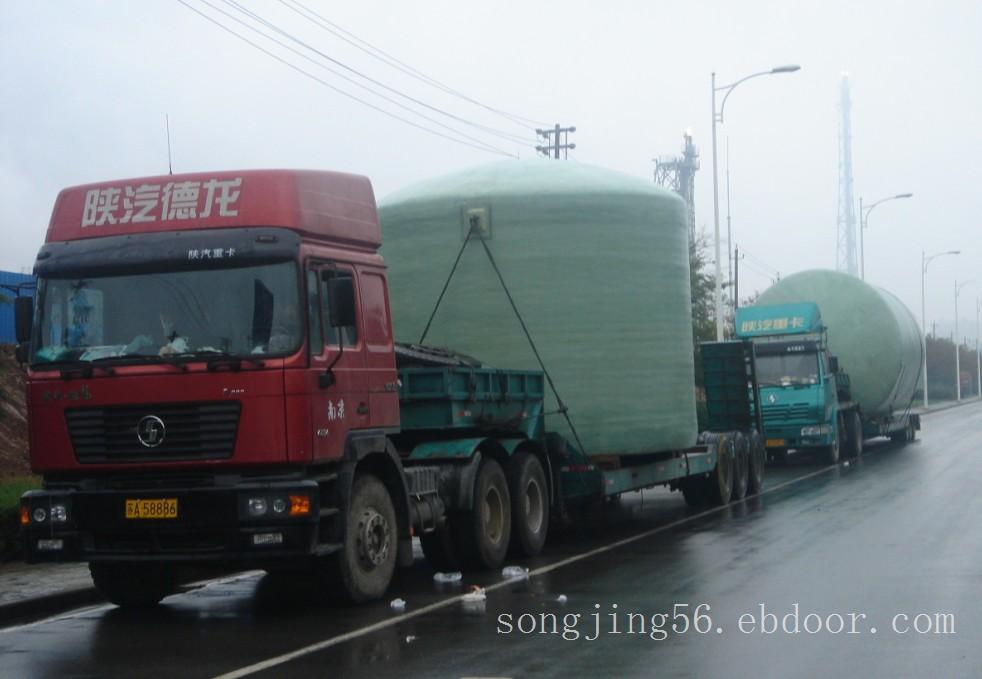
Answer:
(834, 363)
(341, 301)
(23, 317)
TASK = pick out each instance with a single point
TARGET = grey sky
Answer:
(86, 85)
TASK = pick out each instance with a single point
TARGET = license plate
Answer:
(156, 508)
(775, 443)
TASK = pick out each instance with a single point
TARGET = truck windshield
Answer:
(235, 311)
(783, 370)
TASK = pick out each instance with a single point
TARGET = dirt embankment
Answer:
(13, 416)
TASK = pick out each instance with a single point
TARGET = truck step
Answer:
(329, 511)
(327, 548)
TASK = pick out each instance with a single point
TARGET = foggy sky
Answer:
(86, 86)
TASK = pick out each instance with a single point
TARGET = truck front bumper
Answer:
(787, 437)
(173, 524)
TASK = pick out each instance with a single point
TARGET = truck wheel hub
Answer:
(374, 538)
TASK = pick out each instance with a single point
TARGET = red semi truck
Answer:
(213, 378)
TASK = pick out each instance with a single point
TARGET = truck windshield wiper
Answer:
(216, 357)
(138, 359)
(71, 367)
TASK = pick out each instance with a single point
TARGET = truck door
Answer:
(342, 405)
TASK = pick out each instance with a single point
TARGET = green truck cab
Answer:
(805, 399)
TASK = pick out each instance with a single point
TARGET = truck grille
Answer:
(781, 413)
(177, 431)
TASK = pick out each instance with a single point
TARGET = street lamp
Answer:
(718, 118)
(924, 263)
(864, 224)
(978, 357)
(958, 367)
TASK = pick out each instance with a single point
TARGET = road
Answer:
(894, 534)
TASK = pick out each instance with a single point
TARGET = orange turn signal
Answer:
(25, 515)
(299, 505)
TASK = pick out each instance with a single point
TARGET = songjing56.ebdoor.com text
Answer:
(698, 619)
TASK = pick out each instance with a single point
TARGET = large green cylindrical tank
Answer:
(598, 265)
(875, 336)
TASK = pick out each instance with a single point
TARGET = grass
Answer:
(10, 492)
(12, 489)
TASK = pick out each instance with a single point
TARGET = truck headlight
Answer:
(59, 513)
(257, 506)
(820, 430)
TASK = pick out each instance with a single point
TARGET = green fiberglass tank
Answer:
(597, 263)
(875, 336)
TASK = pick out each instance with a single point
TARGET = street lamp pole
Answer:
(718, 118)
(958, 367)
(978, 358)
(924, 263)
(864, 224)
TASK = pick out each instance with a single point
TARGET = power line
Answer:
(353, 81)
(255, 17)
(481, 146)
(392, 61)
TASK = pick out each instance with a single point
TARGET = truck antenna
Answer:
(170, 168)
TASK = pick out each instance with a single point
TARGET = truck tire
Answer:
(719, 484)
(833, 451)
(757, 461)
(854, 435)
(438, 548)
(482, 534)
(911, 431)
(693, 492)
(903, 435)
(741, 466)
(367, 559)
(529, 504)
(130, 585)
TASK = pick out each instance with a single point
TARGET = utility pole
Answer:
(553, 144)
(736, 278)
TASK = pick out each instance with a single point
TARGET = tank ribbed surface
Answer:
(875, 336)
(597, 263)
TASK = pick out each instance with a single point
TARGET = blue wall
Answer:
(8, 278)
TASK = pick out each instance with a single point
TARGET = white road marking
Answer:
(395, 620)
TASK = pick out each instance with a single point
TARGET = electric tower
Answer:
(678, 173)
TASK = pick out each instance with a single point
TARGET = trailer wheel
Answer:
(854, 435)
(719, 483)
(367, 560)
(741, 466)
(911, 431)
(482, 534)
(529, 504)
(133, 585)
(757, 462)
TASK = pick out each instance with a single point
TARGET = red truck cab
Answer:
(210, 363)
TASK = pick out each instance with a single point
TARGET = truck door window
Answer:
(350, 331)
(315, 336)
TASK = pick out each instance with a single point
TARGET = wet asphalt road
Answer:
(897, 533)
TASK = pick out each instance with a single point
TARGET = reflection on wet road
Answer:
(874, 544)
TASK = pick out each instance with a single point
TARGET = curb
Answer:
(34, 608)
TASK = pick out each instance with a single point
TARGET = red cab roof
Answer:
(322, 205)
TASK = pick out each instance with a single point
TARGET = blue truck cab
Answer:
(803, 396)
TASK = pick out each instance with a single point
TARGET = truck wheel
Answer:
(692, 491)
(832, 451)
(438, 548)
(482, 534)
(854, 435)
(368, 558)
(719, 484)
(911, 431)
(131, 585)
(757, 460)
(741, 466)
(529, 504)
